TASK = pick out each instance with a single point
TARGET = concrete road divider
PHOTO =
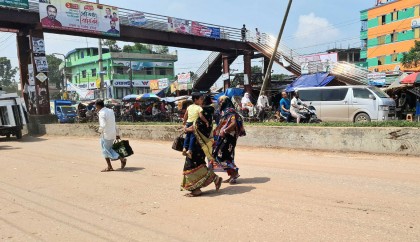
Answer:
(404, 141)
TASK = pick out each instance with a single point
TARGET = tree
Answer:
(412, 58)
(160, 49)
(256, 69)
(112, 45)
(7, 73)
(54, 74)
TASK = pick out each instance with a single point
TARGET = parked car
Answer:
(349, 103)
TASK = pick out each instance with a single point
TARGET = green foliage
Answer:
(7, 73)
(412, 58)
(160, 49)
(54, 74)
(256, 69)
(112, 45)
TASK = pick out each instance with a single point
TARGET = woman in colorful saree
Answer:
(197, 175)
(229, 129)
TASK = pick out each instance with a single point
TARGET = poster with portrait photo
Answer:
(41, 64)
(38, 46)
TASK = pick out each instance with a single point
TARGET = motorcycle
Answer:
(307, 115)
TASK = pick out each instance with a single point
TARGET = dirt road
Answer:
(51, 190)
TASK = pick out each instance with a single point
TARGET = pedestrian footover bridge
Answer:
(226, 43)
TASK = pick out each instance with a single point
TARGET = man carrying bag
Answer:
(109, 132)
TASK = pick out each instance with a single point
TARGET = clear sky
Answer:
(313, 25)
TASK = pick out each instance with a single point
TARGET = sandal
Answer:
(194, 194)
(108, 169)
(218, 183)
(227, 180)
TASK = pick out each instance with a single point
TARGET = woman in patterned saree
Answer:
(229, 129)
(196, 173)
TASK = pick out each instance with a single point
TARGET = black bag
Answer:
(178, 144)
(122, 147)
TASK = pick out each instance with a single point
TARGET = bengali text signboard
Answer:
(79, 16)
(205, 31)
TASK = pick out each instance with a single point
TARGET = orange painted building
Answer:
(388, 31)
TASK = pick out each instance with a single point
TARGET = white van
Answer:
(13, 115)
(349, 103)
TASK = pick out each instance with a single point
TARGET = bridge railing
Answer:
(205, 66)
(160, 22)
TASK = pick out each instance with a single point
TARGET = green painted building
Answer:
(124, 73)
(389, 30)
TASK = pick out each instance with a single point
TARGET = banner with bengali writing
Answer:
(79, 16)
(205, 31)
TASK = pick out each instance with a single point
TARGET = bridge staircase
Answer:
(210, 71)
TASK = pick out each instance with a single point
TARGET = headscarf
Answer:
(227, 112)
(246, 99)
(225, 103)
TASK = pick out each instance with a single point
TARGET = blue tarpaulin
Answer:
(230, 93)
(310, 80)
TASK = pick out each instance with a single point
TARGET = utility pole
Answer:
(101, 86)
(270, 65)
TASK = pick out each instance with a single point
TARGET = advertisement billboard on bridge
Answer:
(79, 16)
(205, 31)
(15, 3)
(318, 62)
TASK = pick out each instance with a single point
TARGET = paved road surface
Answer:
(51, 190)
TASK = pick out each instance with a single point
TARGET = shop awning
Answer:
(311, 80)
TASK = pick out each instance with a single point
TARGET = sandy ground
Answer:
(51, 190)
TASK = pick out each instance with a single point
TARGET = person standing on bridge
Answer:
(243, 33)
(109, 132)
(50, 20)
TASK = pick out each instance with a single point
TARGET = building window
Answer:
(94, 52)
(394, 16)
(84, 74)
(382, 20)
(75, 79)
(363, 44)
(93, 72)
(381, 60)
(120, 70)
(417, 33)
(162, 72)
(364, 26)
(381, 40)
(149, 71)
(394, 57)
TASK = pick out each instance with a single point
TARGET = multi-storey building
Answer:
(124, 73)
(388, 31)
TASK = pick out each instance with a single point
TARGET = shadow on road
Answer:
(229, 190)
(131, 169)
(255, 180)
(8, 147)
(25, 139)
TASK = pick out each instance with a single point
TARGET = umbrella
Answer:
(131, 98)
(148, 97)
(412, 79)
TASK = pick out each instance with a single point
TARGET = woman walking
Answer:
(229, 129)
(203, 128)
(196, 173)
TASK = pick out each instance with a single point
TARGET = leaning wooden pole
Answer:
(270, 65)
